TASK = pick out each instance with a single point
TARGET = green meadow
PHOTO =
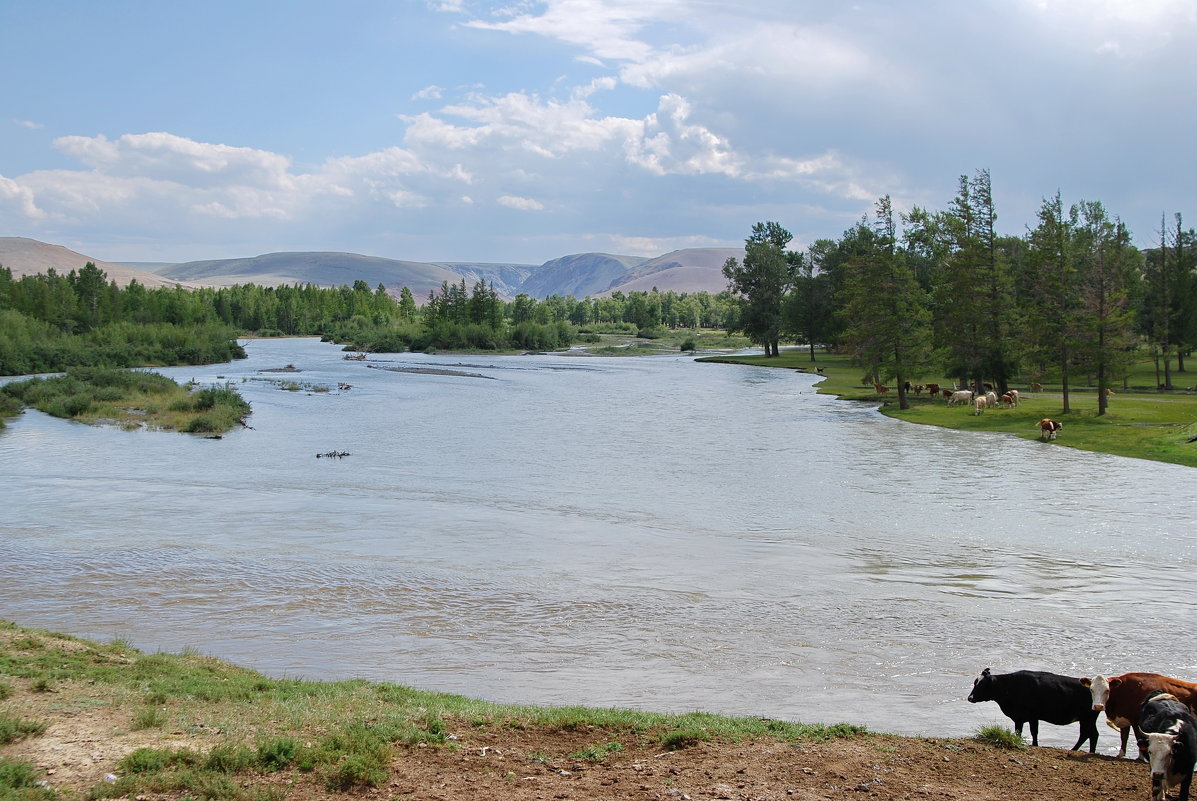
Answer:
(1141, 422)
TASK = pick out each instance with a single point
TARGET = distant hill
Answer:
(689, 270)
(581, 274)
(321, 269)
(31, 257)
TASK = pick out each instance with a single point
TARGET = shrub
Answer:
(19, 780)
(12, 729)
(597, 753)
(683, 738)
(277, 753)
(1000, 737)
(355, 770)
(230, 759)
(5, 691)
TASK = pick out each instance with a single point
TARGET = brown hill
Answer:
(689, 270)
(30, 257)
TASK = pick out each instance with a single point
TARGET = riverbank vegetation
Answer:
(188, 725)
(129, 398)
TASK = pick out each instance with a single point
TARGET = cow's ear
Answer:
(985, 672)
(1086, 682)
(1114, 683)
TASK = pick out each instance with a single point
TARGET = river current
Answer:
(643, 532)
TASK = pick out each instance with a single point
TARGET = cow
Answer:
(1171, 733)
(918, 389)
(881, 388)
(1029, 696)
(1009, 401)
(947, 393)
(979, 404)
(1048, 428)
(960, 396)
(1121, 697)
(991, 399)
(1013, 394)
(1036, 387)
(933, 389)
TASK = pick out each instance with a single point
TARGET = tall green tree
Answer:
(761, 282)
(888, 324)
(1052, 320)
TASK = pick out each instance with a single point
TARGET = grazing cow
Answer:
(1122, 697)
(881, 388)
(1008, 400)
(1171, 744)
(1013, 394)
(1036, 387)
(918, 389)
(979, 404)
(947, 393)
(1033, 695)
(960, 396)
(991, 398)
(1048, 428)
(1109, 392)
(933, 389)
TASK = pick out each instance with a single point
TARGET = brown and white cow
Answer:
(1048, 428)
(933, 389)
(1122, 699)
(979, 404)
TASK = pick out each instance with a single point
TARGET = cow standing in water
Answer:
(1029, 696)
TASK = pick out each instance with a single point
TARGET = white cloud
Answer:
(521, 203)
(30, 124)
(432, 92)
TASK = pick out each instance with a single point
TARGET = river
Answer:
(643, 532)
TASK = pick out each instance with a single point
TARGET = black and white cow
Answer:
(1171, 734)
(1029, 696)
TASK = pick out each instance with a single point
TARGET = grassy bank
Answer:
(1141, 422)
(131, 399)
(187, 725)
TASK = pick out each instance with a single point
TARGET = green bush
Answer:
(19, 780)
(355, 770)
(230, 759)
(277, 753)
(12, 729)
(1000, 737)
(683, 738)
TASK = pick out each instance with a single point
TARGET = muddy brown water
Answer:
(638, 532)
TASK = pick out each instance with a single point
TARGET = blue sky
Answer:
(457, 130)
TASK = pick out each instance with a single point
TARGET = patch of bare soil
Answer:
(85, 740)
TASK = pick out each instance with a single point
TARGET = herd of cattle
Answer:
(1160, 710)
(1048, 428)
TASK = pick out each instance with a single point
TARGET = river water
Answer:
(634, 532)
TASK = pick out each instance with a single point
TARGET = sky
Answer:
(521, 131)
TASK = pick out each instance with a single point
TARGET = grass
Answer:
(344, 733)
(1142, 422)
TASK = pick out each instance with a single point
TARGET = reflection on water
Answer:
(645, 532)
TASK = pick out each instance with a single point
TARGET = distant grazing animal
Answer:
(918, 389)
(1109, 392)
(1014, 394)
(933, 389)
(947, 393)
(1171, 744)
(1048, 428)
(1029, 696)
(1036, 387)
(979, 404)
(1121, 697)
(881, 388)
(991, 398)
(1008, 400)
(960, 396)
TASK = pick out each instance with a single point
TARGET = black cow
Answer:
(1171, 734)
(1033, 695)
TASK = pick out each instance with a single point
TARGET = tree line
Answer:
(51, 322)
(942, 291)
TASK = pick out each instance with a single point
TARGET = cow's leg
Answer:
(1125, 732)
(1034, 732)
(1141, 741)
(1184, 787)
(1088, 732)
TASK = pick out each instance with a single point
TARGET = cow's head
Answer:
(1099, 688)
(982, 690)
(1159, 754)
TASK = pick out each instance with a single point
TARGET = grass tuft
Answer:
(1000, 737)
